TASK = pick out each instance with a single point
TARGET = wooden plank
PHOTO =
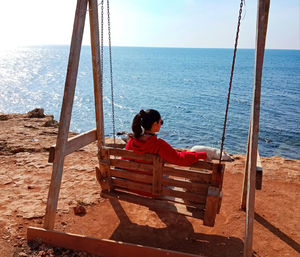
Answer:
(245, 178)
(158, 204)
(194, 187)
(212, 206)
(131, 165)
(157, 176)
(131, 175)
(262, 19)
(200, 176)
(130, 154)
(97, 71)
(104, 164)
(104, 183)
(65, 115)
(187, 196)
(131, 185)
(75, 143)
(95, 246)
(259, 173)
(204, 165)
(217, 176)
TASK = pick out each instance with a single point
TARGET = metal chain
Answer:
(111, 73)
(231, 76)
(101, 44)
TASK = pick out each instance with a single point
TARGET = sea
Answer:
(188, 86)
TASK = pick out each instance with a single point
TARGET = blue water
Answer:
(188, 86)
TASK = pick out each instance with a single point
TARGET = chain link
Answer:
(101, 43)
(231, 77)
(111, 73)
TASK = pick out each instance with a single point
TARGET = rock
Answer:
(64, 223)
(79, 210)
(36, 113)
(4, 117)
(51, 123)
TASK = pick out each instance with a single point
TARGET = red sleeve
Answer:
(184, 158)
(127, 147)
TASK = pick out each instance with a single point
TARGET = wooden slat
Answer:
(95, 246)
(203, 165)
(65, 115)
(200, 176)
(130, 154)
(157, 204)
(130, 165)
(131, 175)
(212, 206)
(130, 185)
(75, 143)
(188, 196)
(194, 187)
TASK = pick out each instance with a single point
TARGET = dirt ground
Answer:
(24, 182)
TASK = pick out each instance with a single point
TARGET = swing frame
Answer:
(66, 146)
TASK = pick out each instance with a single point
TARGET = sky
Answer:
(152, 23)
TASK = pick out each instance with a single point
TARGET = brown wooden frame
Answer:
(157, 181)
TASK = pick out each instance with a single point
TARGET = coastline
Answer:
(25, 177)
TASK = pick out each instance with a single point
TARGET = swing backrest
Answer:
(146, 179)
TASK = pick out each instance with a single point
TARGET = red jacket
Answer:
(158, 146)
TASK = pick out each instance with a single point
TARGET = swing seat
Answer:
(146, 179)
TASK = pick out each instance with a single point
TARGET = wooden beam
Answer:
(66, 112)
(95, 246)
(129, 154)
(212, 206)
(262, 19)
(259, 173)
(245, 179)
(97, 70)
(75, 143)
(157, 175)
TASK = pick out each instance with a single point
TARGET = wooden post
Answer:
(259, 173)
(212, 206)
(97, 75)
(66, 112)
(245, 180)
(262, 19)
(157, 176)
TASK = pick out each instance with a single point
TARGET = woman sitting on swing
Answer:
(143, 140)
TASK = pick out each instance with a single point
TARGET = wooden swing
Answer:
(194, 191)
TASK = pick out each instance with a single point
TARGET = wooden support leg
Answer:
(245, 180)
(259, 173)
(66, 111)
(97, 74)
(103, 174)
(212, 206)
(262, 21)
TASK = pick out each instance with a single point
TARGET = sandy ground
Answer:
(25, 177)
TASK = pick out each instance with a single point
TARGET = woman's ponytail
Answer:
(137, 125)
(144, 121)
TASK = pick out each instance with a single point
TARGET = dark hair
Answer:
(144, 120)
